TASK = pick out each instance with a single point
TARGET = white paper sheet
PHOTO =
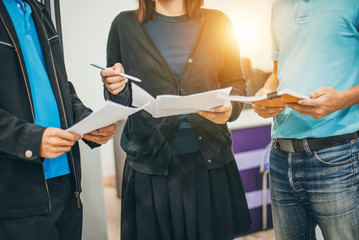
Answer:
(169, 105)
(252, 99)
(109, 113)
(140, 97)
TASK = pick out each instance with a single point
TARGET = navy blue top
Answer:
(174, 37)
(45, 106)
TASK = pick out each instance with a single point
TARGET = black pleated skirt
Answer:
(191, 203)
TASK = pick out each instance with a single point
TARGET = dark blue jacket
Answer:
(23, 188)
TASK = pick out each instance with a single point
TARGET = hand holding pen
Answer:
(114, 78)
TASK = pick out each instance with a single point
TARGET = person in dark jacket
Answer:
(39, 161)
(180, 178)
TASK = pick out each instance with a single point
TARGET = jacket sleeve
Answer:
(20, 138)
(80, 111)
(114, 56)
(232, 74)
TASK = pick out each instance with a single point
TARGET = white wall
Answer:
(85, 25)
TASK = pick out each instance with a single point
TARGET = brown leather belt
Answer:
(297, 145)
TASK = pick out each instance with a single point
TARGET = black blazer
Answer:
(23, 190)
(213, 63)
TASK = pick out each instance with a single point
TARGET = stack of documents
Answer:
(161, 106)
(274, 99)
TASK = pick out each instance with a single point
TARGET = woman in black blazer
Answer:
(180, 178)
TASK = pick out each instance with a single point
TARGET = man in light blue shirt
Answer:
(314, 159)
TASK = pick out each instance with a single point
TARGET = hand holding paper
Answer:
(269, 104)
(169, 105)
(110, 113)
(263, 111)
(102, 135)
(219, 115)
(56, 142)
(322, 102)
(271, 99)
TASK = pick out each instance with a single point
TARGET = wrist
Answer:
(345, 97)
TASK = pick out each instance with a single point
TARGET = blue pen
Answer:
(121, 74)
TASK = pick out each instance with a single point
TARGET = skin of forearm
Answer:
(351, 97)
(272, 82)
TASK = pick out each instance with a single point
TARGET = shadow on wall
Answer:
(255, 78)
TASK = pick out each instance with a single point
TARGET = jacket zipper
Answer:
(6, 44)
(77, 192)
(53, 37)
(28, 94)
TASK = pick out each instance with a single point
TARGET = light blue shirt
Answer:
(316, 44)
(45, 106)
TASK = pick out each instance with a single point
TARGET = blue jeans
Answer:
(315, 188)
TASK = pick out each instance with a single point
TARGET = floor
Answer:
(113, 212)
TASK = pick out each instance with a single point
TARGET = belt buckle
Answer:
(286, 145)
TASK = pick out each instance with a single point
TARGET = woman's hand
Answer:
(112, 80)
(219, 115)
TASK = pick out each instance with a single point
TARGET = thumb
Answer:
(118, 67)
(317, 93)
(262, 92)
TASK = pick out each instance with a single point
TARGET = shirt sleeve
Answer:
(275, 44)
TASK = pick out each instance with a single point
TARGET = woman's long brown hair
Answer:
(146, 9)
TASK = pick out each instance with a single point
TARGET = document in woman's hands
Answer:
(169, 105)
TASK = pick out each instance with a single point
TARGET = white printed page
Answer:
(109, 113)
(169, 105)
(140, 97)
(252, 99)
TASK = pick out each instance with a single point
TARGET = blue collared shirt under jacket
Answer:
(45, 106)
(316, 44)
